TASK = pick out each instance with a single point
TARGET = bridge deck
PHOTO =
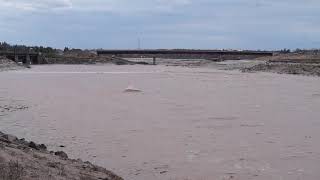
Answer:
(11, 53)
(186, 52)
(24, 57)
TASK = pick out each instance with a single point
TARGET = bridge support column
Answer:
(154, 61)
(16, 58)
(38, 59)
(28, 61)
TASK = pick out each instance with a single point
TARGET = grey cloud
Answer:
(32, 5)
(163, 23)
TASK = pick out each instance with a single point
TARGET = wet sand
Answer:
(196, 123)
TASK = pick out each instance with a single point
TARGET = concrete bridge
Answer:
(185, 54)
(23, 57)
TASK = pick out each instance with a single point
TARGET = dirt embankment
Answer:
(293, 57)
(90, 59)
(7, 64)
(23, 160)
(286, 68)
(292, 63)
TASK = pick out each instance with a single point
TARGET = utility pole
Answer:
(139, 43)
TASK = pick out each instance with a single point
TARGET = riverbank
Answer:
(7, 64)
(307, 69)
(292, 63)
(21, 159)
(298, 65)
(295, 67)
(92, 59)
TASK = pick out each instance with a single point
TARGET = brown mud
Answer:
(24, 160)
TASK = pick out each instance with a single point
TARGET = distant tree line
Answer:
(285, 51)
(4, 46)
(66, 49)
(307, 51)
(299, 51)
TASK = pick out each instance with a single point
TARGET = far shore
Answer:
(289, 63)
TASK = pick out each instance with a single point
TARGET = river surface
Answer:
(186, 123)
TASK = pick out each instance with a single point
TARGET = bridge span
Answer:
(185, 54)
(24, 57)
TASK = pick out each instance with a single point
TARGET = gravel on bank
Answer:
(7, 64)
(24, 160)
(286, 68)
(91, 60)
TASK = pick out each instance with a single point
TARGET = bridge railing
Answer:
(4, 53)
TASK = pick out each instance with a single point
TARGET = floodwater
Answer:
(186, 123)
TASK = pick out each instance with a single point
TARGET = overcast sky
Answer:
(241, 24)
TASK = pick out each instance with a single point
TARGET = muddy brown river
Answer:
(186, 123)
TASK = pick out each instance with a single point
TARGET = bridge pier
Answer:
(38, 59)
(24, 57)
(154, 60)
(28, 60)
(16, 58)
